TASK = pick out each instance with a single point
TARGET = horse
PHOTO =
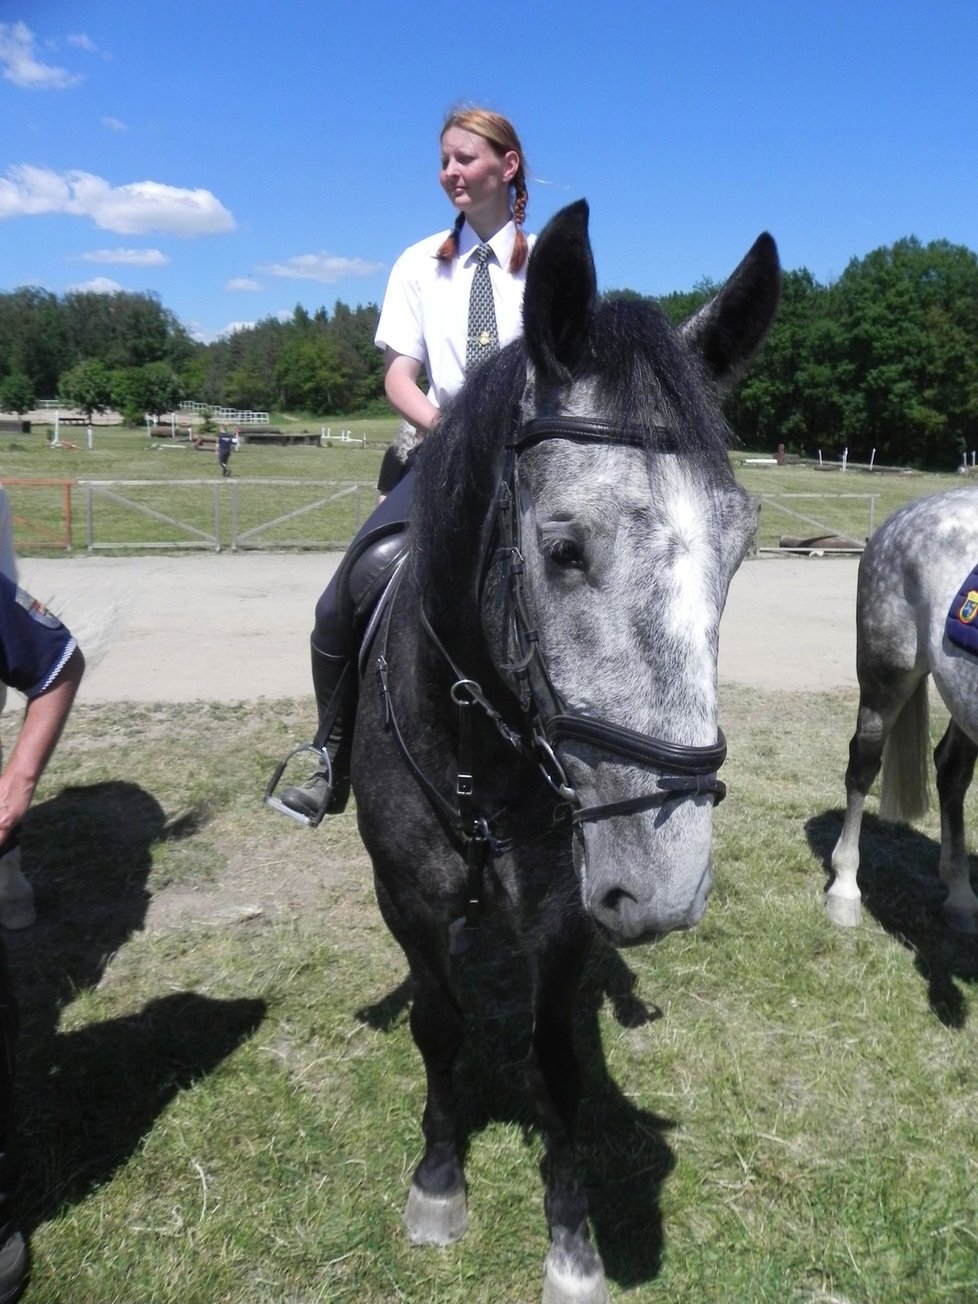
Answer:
(537, 734)
(909, 573)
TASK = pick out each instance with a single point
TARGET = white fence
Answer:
(239, 415)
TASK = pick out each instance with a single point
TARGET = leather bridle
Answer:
(684, 770)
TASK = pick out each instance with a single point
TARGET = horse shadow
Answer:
(623, 1155)
(901, 889)
(86, 1098)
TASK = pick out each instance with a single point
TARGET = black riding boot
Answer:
(334, 683)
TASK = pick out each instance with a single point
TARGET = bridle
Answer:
(684, 770)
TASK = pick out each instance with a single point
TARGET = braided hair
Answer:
(501, 136)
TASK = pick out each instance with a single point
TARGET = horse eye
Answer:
(563, 553)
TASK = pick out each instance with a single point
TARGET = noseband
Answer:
(683, 771)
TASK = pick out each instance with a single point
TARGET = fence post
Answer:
(217, 516)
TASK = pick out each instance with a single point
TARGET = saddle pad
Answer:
(962, 619)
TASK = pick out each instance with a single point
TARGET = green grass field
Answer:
(220, 1098)
(312, 497)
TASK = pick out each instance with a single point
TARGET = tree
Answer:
(16, 393)
(88, 386)
(154, 388)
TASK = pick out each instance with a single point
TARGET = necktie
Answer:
(483, 336)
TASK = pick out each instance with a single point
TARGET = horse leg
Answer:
(843, 902)
(573, 1272)
(436, 1211)
(955, 758)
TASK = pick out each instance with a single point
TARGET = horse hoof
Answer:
(844, 911)
(435, 1219)
(960, 921)
(563, 1283)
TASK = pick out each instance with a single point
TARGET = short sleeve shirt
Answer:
(34, 645)
(426, 307)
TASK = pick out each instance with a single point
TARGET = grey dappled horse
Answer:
(537, 733)
(908, 577)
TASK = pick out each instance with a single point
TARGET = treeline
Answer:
(884, 359)
(324, 363)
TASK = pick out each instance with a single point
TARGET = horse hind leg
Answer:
(843, 901)
(898, 724)
(955, 757)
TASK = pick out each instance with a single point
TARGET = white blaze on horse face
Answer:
(627, 580)
(631, 569)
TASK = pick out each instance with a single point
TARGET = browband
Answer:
(589, 430)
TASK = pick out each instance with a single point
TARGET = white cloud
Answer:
(133, 209)
(21, 66)
(127, 257)
(114, 124)
(83, 42)
(321, 267)
(242, 283)
(203, 336)
(98, 285)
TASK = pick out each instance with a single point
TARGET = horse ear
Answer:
(727, 330)
(561, 288)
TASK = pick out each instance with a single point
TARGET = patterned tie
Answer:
(483, 336)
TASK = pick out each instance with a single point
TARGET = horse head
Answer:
(629, 526)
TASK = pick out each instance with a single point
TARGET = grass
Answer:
(286, 485)
(304, 497)
(833, 501)
(220, 1098)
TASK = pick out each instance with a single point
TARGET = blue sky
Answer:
(239, 158)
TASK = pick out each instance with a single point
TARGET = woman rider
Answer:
(439, 312)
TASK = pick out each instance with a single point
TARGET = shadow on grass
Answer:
(898, 878)
(87, 1098)
(623, 1156)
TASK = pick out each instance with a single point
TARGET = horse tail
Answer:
(905, 780)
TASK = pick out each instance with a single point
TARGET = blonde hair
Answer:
(501, 135)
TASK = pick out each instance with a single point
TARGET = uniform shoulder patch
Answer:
(36, 610)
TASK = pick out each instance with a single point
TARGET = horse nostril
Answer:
(613, 899)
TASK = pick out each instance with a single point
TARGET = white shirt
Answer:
(426, 308)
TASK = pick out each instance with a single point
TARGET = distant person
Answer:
(16, 894)
(225, 446)
(40, 658)
(451, 301)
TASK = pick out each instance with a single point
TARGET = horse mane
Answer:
(638, 375)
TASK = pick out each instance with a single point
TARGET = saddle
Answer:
(961, 625)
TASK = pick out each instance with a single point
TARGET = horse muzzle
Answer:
(631, 909)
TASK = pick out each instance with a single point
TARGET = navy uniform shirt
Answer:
(34, 645)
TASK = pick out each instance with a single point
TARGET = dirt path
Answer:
(232, 627)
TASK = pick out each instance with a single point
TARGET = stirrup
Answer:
(276, 803)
